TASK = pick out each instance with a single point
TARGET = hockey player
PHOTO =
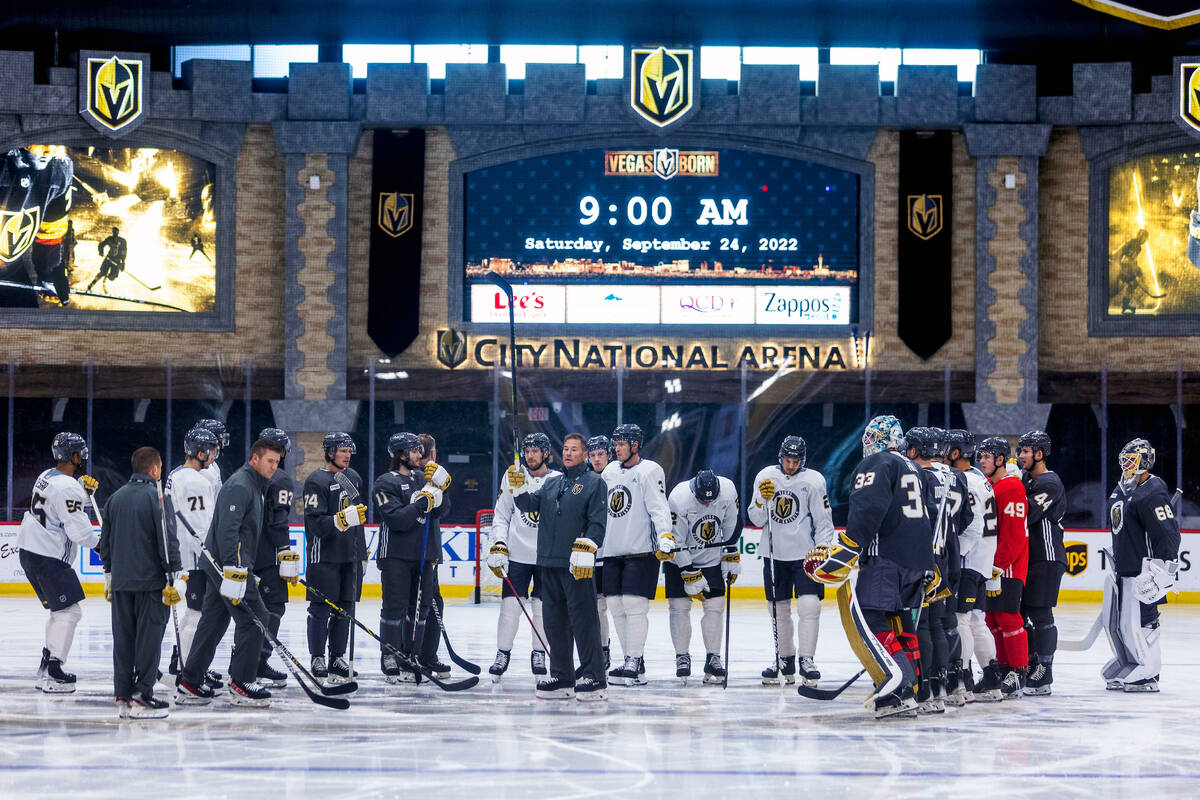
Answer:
(232, 542)
(600, 454)
(190, 492)
(638, 530)
(571, 528)
(704, 512)
(141, 560)
(337, 546)
(1046, 501)
(35, 190)
(433, 630)
(1145, 550)
(977, 545)
(404, 500)
(889, 538)
(791, 504)
(960, 516)
(1004, 678)
(513, 555)
(213, 470)
(51, 533)
(276, 564)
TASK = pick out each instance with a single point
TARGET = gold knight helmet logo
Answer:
(17, 229)
(451, 347)
(114, 91)
(1189, 95)
(395, 213)
(661, 84)
(925, 215)
(666, 163)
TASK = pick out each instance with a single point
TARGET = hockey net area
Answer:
(487, 585)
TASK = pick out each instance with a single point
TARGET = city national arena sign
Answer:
(453, 349)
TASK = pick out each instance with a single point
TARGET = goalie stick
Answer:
(320, 697)
(404, 658)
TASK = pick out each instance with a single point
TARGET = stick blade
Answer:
(340, 689)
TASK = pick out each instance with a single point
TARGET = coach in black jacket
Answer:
(136, 558)
(572, 517)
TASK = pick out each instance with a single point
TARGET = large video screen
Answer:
(1154, 236)
(671, 236)
(107, 229)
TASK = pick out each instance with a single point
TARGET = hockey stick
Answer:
(162, 514)
(418, 623)
(84, 293)
(1089, 638)
(455, 657)
(299, 672)
(533, 627)
(349, 489)
(728, 598)
(814, 693)
(142, 282)
(405, 658)
(506, 287)
(769, 579)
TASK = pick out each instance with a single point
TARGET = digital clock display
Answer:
(669, 235)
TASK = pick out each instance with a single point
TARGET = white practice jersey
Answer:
(57, 523)
(637, 508)
(698, 525)
(979, 547)
(193, 495)
(799, 513)
(213, 473)
(516, 528)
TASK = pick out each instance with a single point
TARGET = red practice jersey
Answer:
(1012, 542)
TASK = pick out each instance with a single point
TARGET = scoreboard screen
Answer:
(663, 235)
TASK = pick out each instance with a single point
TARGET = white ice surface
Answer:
(659, 740)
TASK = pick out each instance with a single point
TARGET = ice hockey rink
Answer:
(660, 740)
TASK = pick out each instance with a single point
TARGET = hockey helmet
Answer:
(1035, 440)
(335, 440)
(199, 440)
(628, 433)
(882, 433)
(218, 429)
(705, 486)
(962, 440)
(921, 439)
(939, 441)
(539, 440)
(601, 442)
(793, 447)
(277, 437)
(401, 444)
(67, 444)
(996, 445)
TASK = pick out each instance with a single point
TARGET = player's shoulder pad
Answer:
(1154, 489)
(316, 480)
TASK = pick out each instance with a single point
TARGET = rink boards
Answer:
(1083, 581)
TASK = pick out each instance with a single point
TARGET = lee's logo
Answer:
(1077, 557)
(525, 302)
(114, 91)
(395, 216)
(661, 83)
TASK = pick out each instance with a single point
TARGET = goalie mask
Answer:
(882, 433)
(1136, 458)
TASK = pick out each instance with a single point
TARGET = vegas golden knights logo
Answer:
(114, 91)
(1077, 557)
(616, 503)
(1116, 516)
(533, 517)
(1189, 95)
(784, 506)
(925, 215)
(395, 213)
(451, 347)
(706, 531)
(661, 84)
(17, 229)
(666, 163)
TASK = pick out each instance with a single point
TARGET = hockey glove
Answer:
(766, 490)
(233, 584)
(289, 565)
(497, 559)
(694, 582)
(175, 592)
(666, 543)
(437, 475)
(831, 563)
(583, 558)
(430, 495)
(516, 481)
(89, 483)
(731, 567)
(108, 586)
(935, 589)
(992, 585)
(1155, 580)
(350, 516)
(1012, 468)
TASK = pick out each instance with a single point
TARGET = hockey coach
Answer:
(571, 513)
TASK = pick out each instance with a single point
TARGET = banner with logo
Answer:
(926, 185)
(397, 208)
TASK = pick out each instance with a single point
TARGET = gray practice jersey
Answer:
(518, 529)
(191, 493)
(698, 525)
(799, 513)
(56, 523)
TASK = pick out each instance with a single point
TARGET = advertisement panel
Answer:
(612, 304)
(803, 305)
(531, 303)
(708, 305)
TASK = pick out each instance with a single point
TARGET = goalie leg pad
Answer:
(1140, 640)
(872, 653)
